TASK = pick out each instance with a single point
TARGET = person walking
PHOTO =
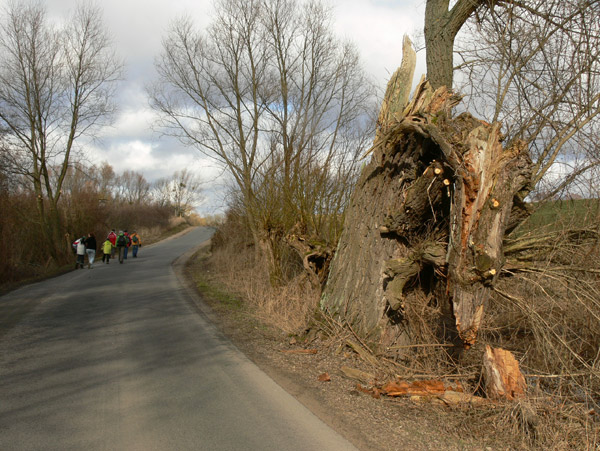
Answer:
(128, 243)
(80, 251)
(112, 237)
(136, 243)
(107, 249)
(121, 245)
(90, 249)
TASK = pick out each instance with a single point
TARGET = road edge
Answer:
(335, 421)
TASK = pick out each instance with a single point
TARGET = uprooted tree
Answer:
(431, 210)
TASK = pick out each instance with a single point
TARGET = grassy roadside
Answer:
(208, 288)
(6, 287)
(373, 424)
(224, 303)
(544, 420)
(167, 233)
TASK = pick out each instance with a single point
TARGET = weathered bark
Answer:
(359, 269)
(441, 27)
(485, 184)
(316, 257)
(438, 192)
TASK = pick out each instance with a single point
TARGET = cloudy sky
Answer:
(137, 27)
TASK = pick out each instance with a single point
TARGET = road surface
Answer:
(117, 358)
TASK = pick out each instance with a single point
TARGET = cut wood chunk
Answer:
(503, 378)
(418, 388)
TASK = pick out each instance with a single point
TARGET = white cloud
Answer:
(131, 123)
(377, 28)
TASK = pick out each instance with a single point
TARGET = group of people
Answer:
(115, 242)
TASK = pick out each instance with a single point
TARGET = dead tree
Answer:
(428, 215)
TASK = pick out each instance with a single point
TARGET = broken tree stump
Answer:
(433, 178)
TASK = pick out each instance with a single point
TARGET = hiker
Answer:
(136, 243)
(90, 248)
(107, 249)
(121, 245)
(112, 237)
(80, 252)
(128, 243)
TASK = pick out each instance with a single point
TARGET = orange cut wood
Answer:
(503, 378)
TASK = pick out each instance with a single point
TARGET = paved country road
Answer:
(118, 358)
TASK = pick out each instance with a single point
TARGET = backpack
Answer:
(135, 240)
(121, 241)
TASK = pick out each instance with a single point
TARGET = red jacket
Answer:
(112, 237)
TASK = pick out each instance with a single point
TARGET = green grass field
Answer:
(553, 215)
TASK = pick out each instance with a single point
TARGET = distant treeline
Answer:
(93, 199)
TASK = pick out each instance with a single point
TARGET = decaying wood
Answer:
(502, 376)
(433, 390)
(364, 354)
(419, 388)
(325, 377)
(454, 398)
(451, 398)
(316, 257)
(484, 187)
(421, 201)
(401, 270)
(398, 89)
(359, 375)
(373, 391)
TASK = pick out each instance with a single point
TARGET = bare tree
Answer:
(319, 96)
(210, 91)
(267, 89)
(182, 192)
(55, 86)
(535, 68)
(185, 189)
(160, 192)
(106, 179)
(132, 187)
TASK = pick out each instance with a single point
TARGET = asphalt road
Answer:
(117, 358)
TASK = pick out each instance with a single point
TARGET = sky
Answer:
(137, 27)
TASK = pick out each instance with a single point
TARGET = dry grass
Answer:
(287, 307)
(549, 418)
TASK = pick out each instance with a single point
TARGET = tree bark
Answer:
(485, 184)
(441, 28)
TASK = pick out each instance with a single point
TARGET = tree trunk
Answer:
(439, 37)
(427, 217)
